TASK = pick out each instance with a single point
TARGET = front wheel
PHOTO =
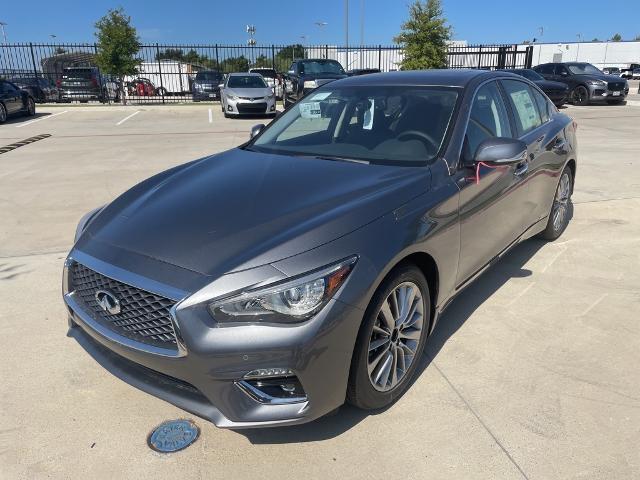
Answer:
(391, 340)
(561, 208)
(580, 96)
(3, 113)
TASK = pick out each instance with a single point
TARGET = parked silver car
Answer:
(247, 94)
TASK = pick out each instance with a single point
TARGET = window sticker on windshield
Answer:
(310, 110)
(320, 96)
(367, 123)
(526, 110)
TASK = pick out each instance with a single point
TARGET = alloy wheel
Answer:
(561, 202)
(580, 95)
(31, 107)
(395, 336)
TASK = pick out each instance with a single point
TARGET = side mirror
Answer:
(501, 151)
(256, 129)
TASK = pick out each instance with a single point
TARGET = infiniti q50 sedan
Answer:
(269, 284)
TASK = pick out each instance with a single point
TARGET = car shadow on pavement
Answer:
(24, 118)
(461, 308)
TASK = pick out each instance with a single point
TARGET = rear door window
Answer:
(523, 103)
(544, 106)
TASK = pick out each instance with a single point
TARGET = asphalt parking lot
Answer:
(532, 373)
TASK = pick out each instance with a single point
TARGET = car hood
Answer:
(550, 85)
(249, 92)
(323, 76)
(243, 209)
(603, 77)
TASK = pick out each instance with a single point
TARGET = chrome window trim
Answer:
(133, 280)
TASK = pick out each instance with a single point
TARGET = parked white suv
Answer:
(272, 78)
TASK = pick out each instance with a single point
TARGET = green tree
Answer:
(235, 64)
(424, 36)
(286, 55)
(262, 61)
(118, 44)
(596, 39)
(616, 37)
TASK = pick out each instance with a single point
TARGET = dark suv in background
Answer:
(556, 91)
(41, 89)
(586, 83)
(206, 85)
(306, 75)
(82, 84)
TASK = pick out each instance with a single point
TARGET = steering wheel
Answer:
(421, 136)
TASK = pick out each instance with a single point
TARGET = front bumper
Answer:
(206, 95)
(603, 93)
(204, 376)
(241, 106)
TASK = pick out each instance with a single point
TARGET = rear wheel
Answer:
(31, 107)
(580, 96)
(3, 113)
(561, 208)
(391, 340)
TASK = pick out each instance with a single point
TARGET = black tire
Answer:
(554, 229)
(3, 113)
(285, 103)
(31, 107)
(580, 96)
(360, 390)
(161, 91)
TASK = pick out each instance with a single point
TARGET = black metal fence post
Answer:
(273, 57)
(380, 57)
(33, 61)
(160, 71)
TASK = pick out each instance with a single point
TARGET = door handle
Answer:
(521, 169)
(559, 146)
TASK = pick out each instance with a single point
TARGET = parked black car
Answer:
(41, 89)
(611, 71)
(362, 71)
(556, 91)
(13, 101)
(206, 85)
(586, 83)
(82, 84)
(306, 75)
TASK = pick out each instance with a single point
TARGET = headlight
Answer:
(231, 97)
(199, 87)
(268, 97)
(293, 300)
(85, 221)
(310, 84)
(598, 83)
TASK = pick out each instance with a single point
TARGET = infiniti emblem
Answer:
(108, 302)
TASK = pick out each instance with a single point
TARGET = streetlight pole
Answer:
(579, 37)
(346, 31)
(321, 25)
(4, 34)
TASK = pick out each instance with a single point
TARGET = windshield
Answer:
(397, 125)
(314, 67)
(583, 69)
(246, 81)
(208, 76)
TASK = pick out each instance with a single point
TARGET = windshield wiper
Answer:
(334, 158)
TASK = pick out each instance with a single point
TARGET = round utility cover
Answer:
(173, 435)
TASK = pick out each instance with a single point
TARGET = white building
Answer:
(600, 54)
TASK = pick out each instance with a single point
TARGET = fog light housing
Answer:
(273, 386)
(230, 108)
(273, 107)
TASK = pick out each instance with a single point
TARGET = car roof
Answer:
(245, 74)
(446, 77)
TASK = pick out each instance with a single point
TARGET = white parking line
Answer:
(128, 117)
(210, 116)
(40, 119)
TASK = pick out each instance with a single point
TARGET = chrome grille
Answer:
(616, 86)
(144, 316)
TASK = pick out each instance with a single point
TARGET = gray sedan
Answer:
(269, 284)
(247, 94)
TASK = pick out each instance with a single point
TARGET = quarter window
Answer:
(524, 106)
(544, 107)
(488, 118)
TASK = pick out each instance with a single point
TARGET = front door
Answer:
(492, 200)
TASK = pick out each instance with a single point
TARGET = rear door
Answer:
(12, 97)
(492, 200)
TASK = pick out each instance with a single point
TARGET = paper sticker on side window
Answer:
(310, 110)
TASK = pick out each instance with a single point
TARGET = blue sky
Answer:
(278, 21)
